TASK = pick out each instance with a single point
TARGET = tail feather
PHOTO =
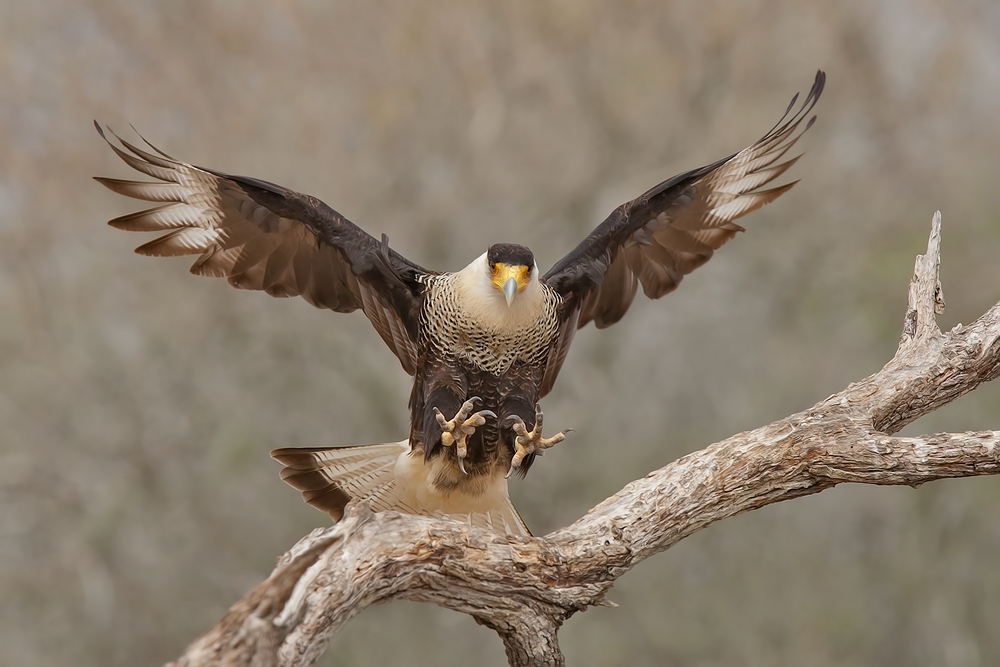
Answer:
(504, 519)
(329, 477)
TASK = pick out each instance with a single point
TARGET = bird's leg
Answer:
(531, 442)
(456, 431)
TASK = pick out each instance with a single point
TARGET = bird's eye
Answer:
(493, 266)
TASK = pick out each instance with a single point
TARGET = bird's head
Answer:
(512, 268)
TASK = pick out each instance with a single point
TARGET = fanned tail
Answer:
(329, 477)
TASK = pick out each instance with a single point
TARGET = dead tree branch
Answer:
(526, 588)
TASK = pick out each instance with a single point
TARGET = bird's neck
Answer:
(486, 306)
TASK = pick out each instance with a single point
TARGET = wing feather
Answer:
(216, 262)
(264, 237)
(255, 250)
(168, 216)
(279, 261)
(184, 241)
(169, 192)
(670, 230)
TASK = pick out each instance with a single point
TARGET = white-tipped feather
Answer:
(746, 182)
(149, 191)
(746, 203)
(170, 216)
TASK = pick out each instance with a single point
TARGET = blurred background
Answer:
(138, 403)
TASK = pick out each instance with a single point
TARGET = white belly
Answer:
(415, 485)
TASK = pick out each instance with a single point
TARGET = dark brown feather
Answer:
(669, 231)
(265, 237)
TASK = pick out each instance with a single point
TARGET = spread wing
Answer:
(669, 231)
(262, 236)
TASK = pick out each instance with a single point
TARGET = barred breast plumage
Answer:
(492, 345)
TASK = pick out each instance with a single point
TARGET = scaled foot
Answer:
(455, 432)
(531, 442)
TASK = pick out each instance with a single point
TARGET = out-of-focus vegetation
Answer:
(138, 403)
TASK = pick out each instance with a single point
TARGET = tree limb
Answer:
(526, 588)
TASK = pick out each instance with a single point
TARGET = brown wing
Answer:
(262, 236)
(669, 231)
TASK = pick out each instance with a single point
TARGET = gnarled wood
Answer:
(526, 588)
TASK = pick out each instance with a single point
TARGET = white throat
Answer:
(487, 306)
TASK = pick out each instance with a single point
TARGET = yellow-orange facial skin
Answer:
(501, 273)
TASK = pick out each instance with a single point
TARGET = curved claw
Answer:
(527, 443)
(520, 428)
(455, 431)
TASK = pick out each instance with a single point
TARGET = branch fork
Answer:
(525, 588)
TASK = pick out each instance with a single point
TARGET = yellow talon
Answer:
(531, 442)
(456, 431)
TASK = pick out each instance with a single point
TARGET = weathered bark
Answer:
(525, 588)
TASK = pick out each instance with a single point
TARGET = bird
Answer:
(484, 344)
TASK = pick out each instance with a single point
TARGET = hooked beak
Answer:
(509, 290)
(509, 279)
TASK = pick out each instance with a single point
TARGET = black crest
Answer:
(510, 254)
